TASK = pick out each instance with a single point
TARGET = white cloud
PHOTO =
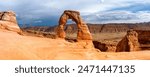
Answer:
(118, 17)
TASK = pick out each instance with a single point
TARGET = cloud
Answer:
(118, 17)
(122, 12)
(100, 11)
(135, 7)
(30, 10)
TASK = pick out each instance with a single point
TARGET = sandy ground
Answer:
(17, 47)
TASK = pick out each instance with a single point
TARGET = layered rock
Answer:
(144, 39)
(83, 31)
(8, 21)
(143, 36)
(129, 42)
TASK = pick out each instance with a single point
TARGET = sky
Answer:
(47, 12)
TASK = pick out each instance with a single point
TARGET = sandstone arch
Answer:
(83, 31)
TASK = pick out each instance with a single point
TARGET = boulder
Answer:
(129, 43)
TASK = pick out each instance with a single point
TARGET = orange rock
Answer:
(129, 42)
(8, 21)
(83, 31)
(8, 16)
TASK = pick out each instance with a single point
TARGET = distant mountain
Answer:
(95, 28)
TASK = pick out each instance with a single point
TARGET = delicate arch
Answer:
(83, 31)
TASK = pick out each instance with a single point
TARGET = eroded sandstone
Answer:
(129, 42)
(83, 31)
(8, 21)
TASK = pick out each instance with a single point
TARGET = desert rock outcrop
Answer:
(144, 39)
(105, 47)
(8, 21)
(83, 31)
(129, 42)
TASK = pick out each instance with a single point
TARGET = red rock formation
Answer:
(129, 42)
(144, 39)
(143, 36)
(83, 31)
(8, 21)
